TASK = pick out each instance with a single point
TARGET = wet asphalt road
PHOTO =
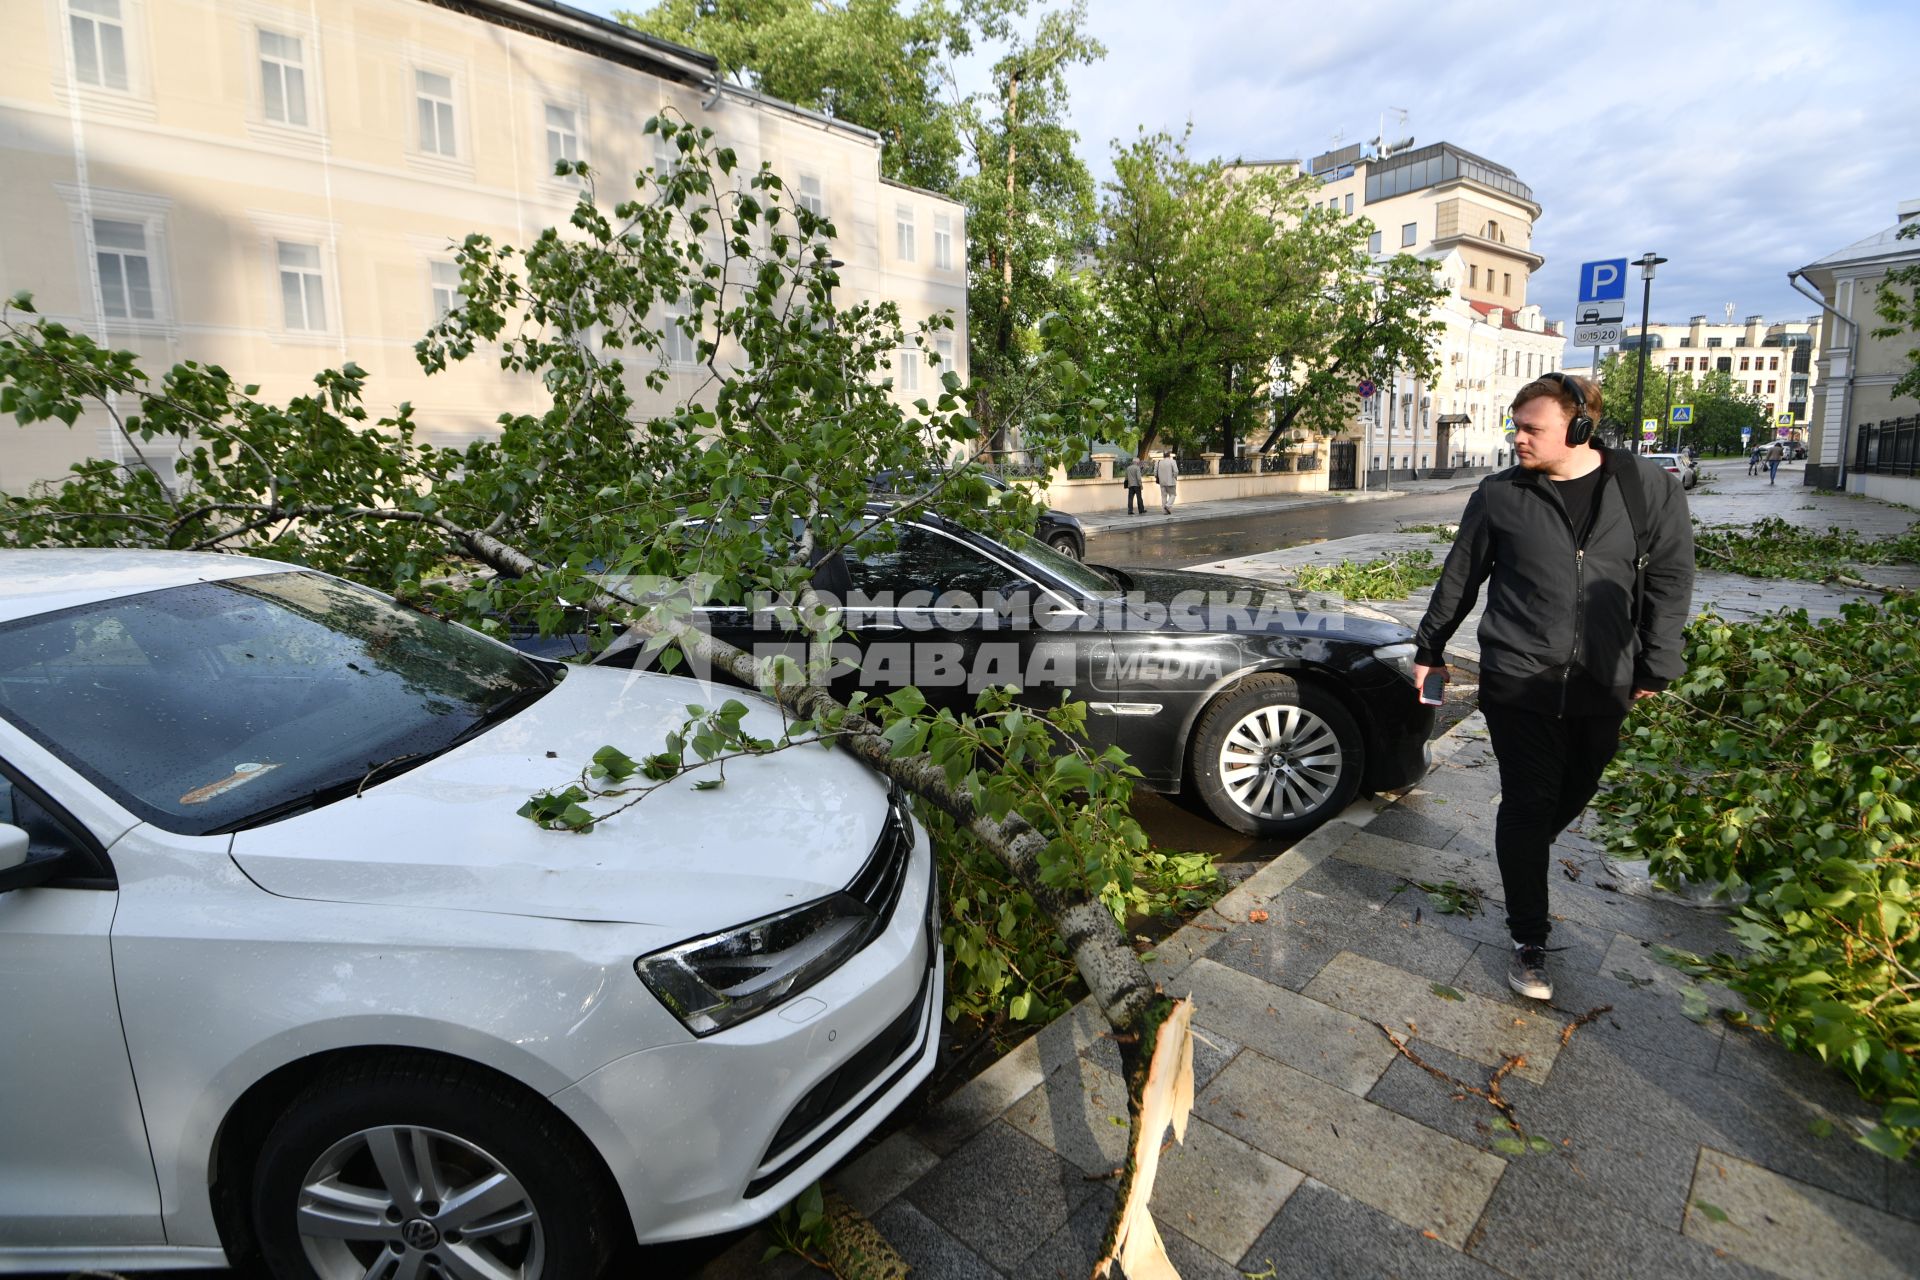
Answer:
(1174, 544)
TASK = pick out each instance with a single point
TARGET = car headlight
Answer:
(714, 982)
(1399, 657)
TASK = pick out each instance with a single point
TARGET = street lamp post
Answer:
(1648, 261)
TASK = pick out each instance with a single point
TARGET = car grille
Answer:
(879, 882)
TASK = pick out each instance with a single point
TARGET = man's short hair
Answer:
(1551, 389)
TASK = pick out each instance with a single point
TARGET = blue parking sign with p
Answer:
(1604, 281)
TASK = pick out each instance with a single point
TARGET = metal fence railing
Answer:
(1086, 470)
(1192, 466)
(1015, 470)
(1237, 466)
(1889, 448)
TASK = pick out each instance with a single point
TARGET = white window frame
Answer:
(1409, 234)
(906, 232)
(78, 14)
(561, 141)
(282, 65)
(150, 214)
(908, 373)
(810, 191)
(943, 242)
(313, 285)
(679, 346)
(451, 102)
(443, 293)
(123, 256)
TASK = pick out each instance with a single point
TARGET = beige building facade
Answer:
(1776, 362)
(276, 186)
(1475, 218)
(1862, 434)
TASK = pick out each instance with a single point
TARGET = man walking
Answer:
(1774, 455)
(1753, 460)
(1590, 555)
(1136, 501)
(1166, 474)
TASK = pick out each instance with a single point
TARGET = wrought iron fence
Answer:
(1889, 448)
(1272, 462)
(1192, 466)
(1237, 466)
(1015, 470)
(1083, 470)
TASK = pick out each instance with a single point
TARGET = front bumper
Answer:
(1399, 727)
(714, 1134)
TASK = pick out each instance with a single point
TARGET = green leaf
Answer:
(1446, 992)
(1820, 1127)
(709, 784)
(1021, 1004)
(1711, 1212)
(613, 764)
(1510, 1146)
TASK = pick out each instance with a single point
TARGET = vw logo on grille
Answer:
(420, 1234)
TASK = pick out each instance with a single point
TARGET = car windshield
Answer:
(217, 705)
(1082, 577)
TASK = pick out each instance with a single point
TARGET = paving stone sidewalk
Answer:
(1678, 1147)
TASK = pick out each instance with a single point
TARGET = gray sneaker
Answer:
(1527, 973)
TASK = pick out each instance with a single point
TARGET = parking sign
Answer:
(1598, 316)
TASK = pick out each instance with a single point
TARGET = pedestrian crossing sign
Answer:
(1783, 419)
(1681, 415)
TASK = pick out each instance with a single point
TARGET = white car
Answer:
(287, 984)
(1677, 464)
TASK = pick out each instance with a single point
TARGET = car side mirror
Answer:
(19, 869)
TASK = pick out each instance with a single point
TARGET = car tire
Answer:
(1065, 544)
(331, 1161)
(1292, 722)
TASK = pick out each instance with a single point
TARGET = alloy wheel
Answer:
(1280, 761)
(402, 1202)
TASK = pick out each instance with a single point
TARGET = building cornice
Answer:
(1532, 260)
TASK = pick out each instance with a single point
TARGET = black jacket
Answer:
(1558, 633)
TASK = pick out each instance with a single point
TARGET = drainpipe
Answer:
(1846, 403)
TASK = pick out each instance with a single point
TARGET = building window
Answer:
(1724, 364)
(909, 362)
(1713, 342)
(1687, 342)
(943, 241)
(283, 79)
(1673, 362)
(1772, 387)
(563, 137)
(433, 97)
(1349, 204)
(1473, 276)
(1503, 364)
(303, 294)
(1506, 283)
(1408, 232)
(679, 344)
(99, 42)
(905, 237)
(810, 195)
(1373, 244)
(1689, 364)
(943, 348)
(1743, 364)
(126, 269)
(1773, 363)
(444, 280)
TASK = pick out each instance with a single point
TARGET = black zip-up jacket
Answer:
(1558, 634)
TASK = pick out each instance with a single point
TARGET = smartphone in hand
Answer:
(1433, 688)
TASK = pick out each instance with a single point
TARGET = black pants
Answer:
(1549, 770)
(1136, 500)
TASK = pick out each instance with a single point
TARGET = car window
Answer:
(922, 560)
(1082, 576)
(197, 706)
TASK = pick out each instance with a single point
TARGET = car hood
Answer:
(783, 830)
(1244, 605)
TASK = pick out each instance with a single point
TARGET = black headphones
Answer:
(1582, 426)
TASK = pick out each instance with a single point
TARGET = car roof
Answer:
(47, 580)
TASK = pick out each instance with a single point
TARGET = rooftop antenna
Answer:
(1729, 313)
(1381, 145)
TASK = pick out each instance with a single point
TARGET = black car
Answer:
(1273, 708)
(1058, 529)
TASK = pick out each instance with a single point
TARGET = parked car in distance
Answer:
(1060, 530)
(290, 987)
(1271, 708)
(1677, 464)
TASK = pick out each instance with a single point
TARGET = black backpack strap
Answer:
(1634, 492)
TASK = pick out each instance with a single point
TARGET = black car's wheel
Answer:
(1275, 757)
(1065, 544)
(412, 1167)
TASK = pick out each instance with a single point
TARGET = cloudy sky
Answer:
(1738, 140)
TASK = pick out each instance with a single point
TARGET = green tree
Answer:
(863, 61)
(1722, 407)
(1211, 279)
(1898, 303)
(734, 492)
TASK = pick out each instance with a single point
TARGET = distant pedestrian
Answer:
(1590, 555)
(1166, 474)
(1753, 460)
(1136, 501)
(1774, 455)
